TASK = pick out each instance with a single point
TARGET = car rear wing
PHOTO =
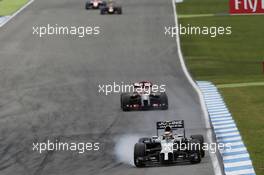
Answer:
(174, 124)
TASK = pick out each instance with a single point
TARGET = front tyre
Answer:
(144, 139)
(195, 153)
(124, 101)
(201, 139)
(164, 101)
(139, 152)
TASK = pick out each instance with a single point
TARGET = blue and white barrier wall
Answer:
(236, 158)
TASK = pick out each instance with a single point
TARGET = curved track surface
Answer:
(49, 87)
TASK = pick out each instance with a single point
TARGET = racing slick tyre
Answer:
(195, 153)
(119, 10)
(164, 100)
(139, 152)
(87, 6)
(201, 139)
(102, 11)
(124, 100)
(144, 139)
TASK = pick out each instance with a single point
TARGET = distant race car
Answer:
(95, 4)
(111, 8)
(165, 148)
(144, 99)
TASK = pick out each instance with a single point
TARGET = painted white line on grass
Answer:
(235, 85)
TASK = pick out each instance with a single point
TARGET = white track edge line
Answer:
(16, 13)
(214, 159)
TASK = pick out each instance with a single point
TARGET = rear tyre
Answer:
(87, 6)
(201, 139)
(195, 152)
(102, 11)
(144, 139)
(124, 100)
(119, 11)
(164, 101)
(139, 152)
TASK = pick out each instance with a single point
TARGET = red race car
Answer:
(111, 8)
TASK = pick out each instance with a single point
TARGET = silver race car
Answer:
(95, 4)
(143, 98)
(170, 147)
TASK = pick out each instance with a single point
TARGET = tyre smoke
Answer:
(124, 148)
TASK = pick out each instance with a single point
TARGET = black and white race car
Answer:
(170, 147)
(111, 8)
(143, 98)
(95, 4)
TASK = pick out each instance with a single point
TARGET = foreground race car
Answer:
(169, 147)
(144, 99)
(95, 4)
(111, 8)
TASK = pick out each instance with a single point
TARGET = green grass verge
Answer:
(247, 106)
(226, 59)
(240, 85)
(235, 58)
(7, 7)
(229, 59)
(203, 6)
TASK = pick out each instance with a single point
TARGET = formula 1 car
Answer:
(111, 8)
(169, 148)
(143, 98)
(95, 4)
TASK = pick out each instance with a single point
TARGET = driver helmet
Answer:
(168, 132)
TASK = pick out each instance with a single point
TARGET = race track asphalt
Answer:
(49, 88)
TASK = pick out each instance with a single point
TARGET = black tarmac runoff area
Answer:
(49, 88)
